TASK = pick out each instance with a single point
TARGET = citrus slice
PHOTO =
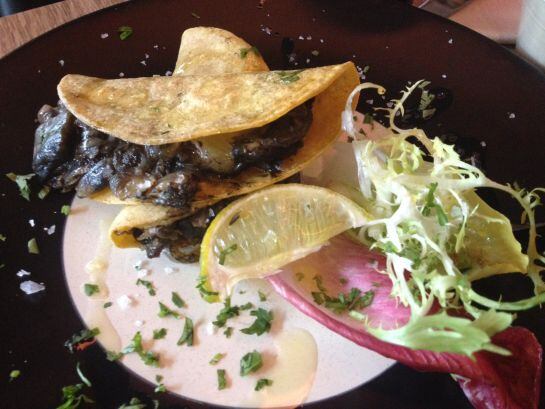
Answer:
(258, 234)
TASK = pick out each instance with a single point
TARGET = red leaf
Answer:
(490, 381)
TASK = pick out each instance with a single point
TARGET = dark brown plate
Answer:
(397, 42)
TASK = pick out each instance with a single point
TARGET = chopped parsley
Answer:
(82, 336)
(33, 246)
(160, 388)
(246, 306)
(216, 358)
(228, 332)
(148, 285)
(262, 383)
(65, 209)
(22, 183)
(148, 357)
(73, 397)
(159, 333)
(251, 362)
(2, 237)
(187, 334)
(222, 381)
(124, 32)
(164, 311)
(244, 52)
(262, 296)
(113, 356)
(225, 252)
(202, 287)
(261, 324)
(90, 289)
(14, 374)
(107, 304)
(134, 403)
(431, 203)
(288, 77)
(177, 300)
(344, 302)
(226, 312)
(44, 191)
(299, 276)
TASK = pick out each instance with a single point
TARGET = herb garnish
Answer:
(14, 374)
(22, 183)
(222, 382)
(226, 312)
(299, 276)
(262, 296)
(228, 332)
(288, 77)
(261, 324)
(431, 203)
(82, 376)
(201, 286)
(148, 285)
(33, 246)
(65, 209)
(250, 362)
(2, 237)
(73, 398)
(82, 336)
(187, 334)
(225, 252)
(113, 356)
(216, 358)
(90, 289)
(148, 357)
(177, 300)
(159, 333)
(107, 304)
(244, 52)
(246, 306)
(262, 383)
(134, 403)
(164, 311)
(160, 388)
(353, 300)
(124, 32)
(44, 191)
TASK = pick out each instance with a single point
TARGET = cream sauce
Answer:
(292, 372)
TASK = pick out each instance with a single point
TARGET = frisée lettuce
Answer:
(438, 236)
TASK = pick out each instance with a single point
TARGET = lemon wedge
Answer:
(258, 234)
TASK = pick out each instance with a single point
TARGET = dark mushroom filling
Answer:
(69, 155)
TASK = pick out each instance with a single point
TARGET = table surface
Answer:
(497, 19)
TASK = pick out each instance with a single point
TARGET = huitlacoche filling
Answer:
(70, 155)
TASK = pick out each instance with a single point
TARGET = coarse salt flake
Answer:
(124, 302)
(170, 270)
(22, 273)
(61, 62)
(31, 222)
(143, 272)
(146, 55)
(138, 323)
(143, 62)
(50, 230)
(31, 287)
(450, 41)
(104, 35)
(121, 74)
(512, 115)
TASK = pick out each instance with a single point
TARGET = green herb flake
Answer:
(22, 183)
(222, 381)
(217, 358)
(33, 246)
(225, 252)
(148, 357)
(159, 333)
(367, 119)
(44, 191)
(73, 397)
(228, 332)
(288, 77)
(160, 388)
(14, 374)
(244, 52)
(202, 287)
(226, 312)
(343, 280)
(124, 32)
(82, 336)
(164, 311)
(113, 356)
(247, 306)
(107, 304)
(82, 376)
(299, 276)
(134, 403)
(262, 383)
(177, 300)
(2, 237)
(251, 362)
(65, 210)
(148, 285)
(187, 334)
(90, 289)
(261, 324)
(262, 296)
